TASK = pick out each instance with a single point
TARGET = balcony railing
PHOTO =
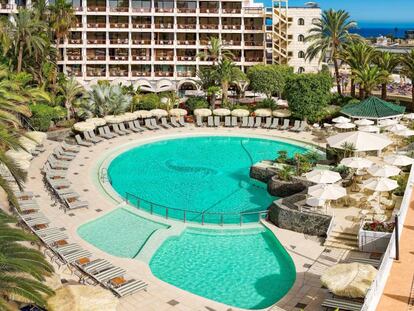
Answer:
(78, 25)
(96, 25)
(96, 8)
(209, 10)
(119, 25)
(231, 42)
(75, 73)
(136, 73)
(253, 11)
(74, 57)
(141, 41)
(186, 26)
(164, 26)
(164, 42)
(164, 73)
(186, 58)
(185, 74)
(140, 57)
(118, 41)
(186, 10)
(118, 57)
(141, 26)
(186, 42)
(96, 73)
(119, 9)
(141, 10)
(231, 11)
(164, 10)
(253, 43)
(164, 58)
(254, 59)
(95, 57)
(78, 8)
(96, 41)
(74, 41)
(209, 26)
(234, 27)
(253, 27)
(118, 73)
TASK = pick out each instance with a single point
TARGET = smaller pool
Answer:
(119, 233)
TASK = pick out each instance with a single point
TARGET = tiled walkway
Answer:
(399, 293)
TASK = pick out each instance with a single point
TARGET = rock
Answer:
(262, 172)
(281, 189)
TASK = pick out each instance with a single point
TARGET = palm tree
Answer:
(387, 62)
(407, 63)
(5, 36)
(368, 78)
(21, 268)
(227, 73)
(328, 36)
(356, 55)
(215, 51)
(28, 36)
(62, 19)
(71, 90)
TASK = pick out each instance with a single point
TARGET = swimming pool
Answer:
(242, 268)
(120, 233)
(200, 175)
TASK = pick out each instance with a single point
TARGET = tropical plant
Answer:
(407, 63)
(149, 101)
(193, 103)
(228, 73)
(348, 149)
(28, 35)
(282, 156)
(43, 115)
(302, 164)
(285, 173)
(387, 62)
(22, 269)
(70, 91)
(62, 19)
(327, 38)
(215, 51)
(368, 78)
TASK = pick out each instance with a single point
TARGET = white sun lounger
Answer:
(216, 121)
(181, 121)
(267, 123)
(285, 125)
(46, 231)
(233, 121)
(24, 194)
(275, 123)
(108, 131)
(105, 135)
(59, 149)
(227, 121)
(75, 256)
(258, 122)
(52, 173)
(124, 129)
(245, 122)
(29, 207)
(117, 130)
(106, 275)
(93, 138)
(164, 123)
(26, 201)
(76, 204)
(303, 126)
(149, 125)
(132, 127)
(80, 142)
(34, 215)
(70, 148)
(250, 123)
(154, 124)
(128, 288)
(55, 164)
(199, 121)
(210, 121)
(295, 126)
(62, 157)
(67, 248)
(37, 221)
(54, 237)
(96, 266)
(174, 122)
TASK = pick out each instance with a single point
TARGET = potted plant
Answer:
(398, 193)
(374, 236)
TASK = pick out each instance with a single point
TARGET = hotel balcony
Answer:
(141, 22)
(164, 55)
(96, 21)
(118, 54)
(118, 70)
(186, 55)
(208, 23)
(231, 39)
(74, 70)
(231, 8)
(164, 22)
(75, 39)
(95, 70)
(161, 6)
(118, 21)
(186, 23)
(118, 38)
(74, 54)
(186, 39)
(256, 40)
(137, 7)
(164, 70)
(139, 41)
(96, 38)
(185, 71)
(164, 38)
(96, 6)
(118, 8)
(253, 56)
(141, 54)
(96, 54)
(141, 70)
(209, 8)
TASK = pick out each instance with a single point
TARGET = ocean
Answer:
(370, 32)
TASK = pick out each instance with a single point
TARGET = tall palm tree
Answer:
(328, 36)
(62, 19)
(407, 63)
(215, 51)
(71, 90)
(28, 36)
(368, 78)
(21, 268)
(356, 55)
(387, 62)
(227, 73)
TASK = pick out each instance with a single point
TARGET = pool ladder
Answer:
(104, 176)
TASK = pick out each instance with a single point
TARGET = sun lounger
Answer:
(258, 122)
(68, 195)
(303, 126)
(70, 148)
(58, 183)
(75, 204)
(181, 121)
(80, 142)
(132, 127)
(96, 266)
(124, 129)
(149, 125)
(245, 122)
(216, 121)
(275, 123)
(164, 123)
(285, 125)
(296, 126)
(52, 238)
(129, 287)
(29, 207)
(93, 138)
(53, 173)
(227, 121)
(117, 130)
(37, 221)
(59, 150)
(106, 275)
(26, 201)
(250, 123)
(34, 215)
(102, 134)
(109, 132)
(341, 304)
(199, 121)
(267, 123)
(67, 248)
(56, 164)
(63, 157)
(210, 121)
(138, 125)
(75, 256)
(46, 231)
(233, 121)
(174, 122)
(154, 124)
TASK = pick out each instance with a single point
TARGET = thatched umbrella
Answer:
(177, 112)
(159, 113)
(263, 112)
(142, 114)
(113, 119)
(202, 112)
(38, 137)
(282, 113)
(240, 113)
(221, 112)
(96, 121)
(84, 126)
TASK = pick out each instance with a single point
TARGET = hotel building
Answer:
(155, 43)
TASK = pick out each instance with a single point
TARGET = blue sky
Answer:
(394, 12)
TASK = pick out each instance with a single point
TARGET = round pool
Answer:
(197, 179)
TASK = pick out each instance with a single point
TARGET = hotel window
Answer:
(301, 38)
(301, 54)
(301, 22)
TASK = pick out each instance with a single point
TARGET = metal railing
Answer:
(189, 216)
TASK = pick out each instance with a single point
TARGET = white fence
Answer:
(374, 294)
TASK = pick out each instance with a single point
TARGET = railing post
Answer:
(138, 203)
(126, 198)
(151, 208)
(184, 216)
(166, 213)
(202, 218)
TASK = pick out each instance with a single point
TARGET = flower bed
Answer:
(374, 236)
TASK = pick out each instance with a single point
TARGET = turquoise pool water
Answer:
(247, 269)
(200, 174)
(119, 233)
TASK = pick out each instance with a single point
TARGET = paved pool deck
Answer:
(309, 256)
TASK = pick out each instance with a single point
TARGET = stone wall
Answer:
(282, 189)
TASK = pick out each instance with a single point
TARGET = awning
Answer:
(373, 108)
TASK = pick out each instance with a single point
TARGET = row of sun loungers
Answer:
(71, 254)
(121, 129)
(252, 122)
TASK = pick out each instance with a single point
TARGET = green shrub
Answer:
(341, 101)
(43, 115)
(267, 103)
(193, 103)
(149, 101)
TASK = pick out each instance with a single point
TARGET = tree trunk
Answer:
(384, 91)
(353, 88)
(361, 93)
(412, 97)
(338, 80)
(20, 59)
(224, 88)
(68, 110)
